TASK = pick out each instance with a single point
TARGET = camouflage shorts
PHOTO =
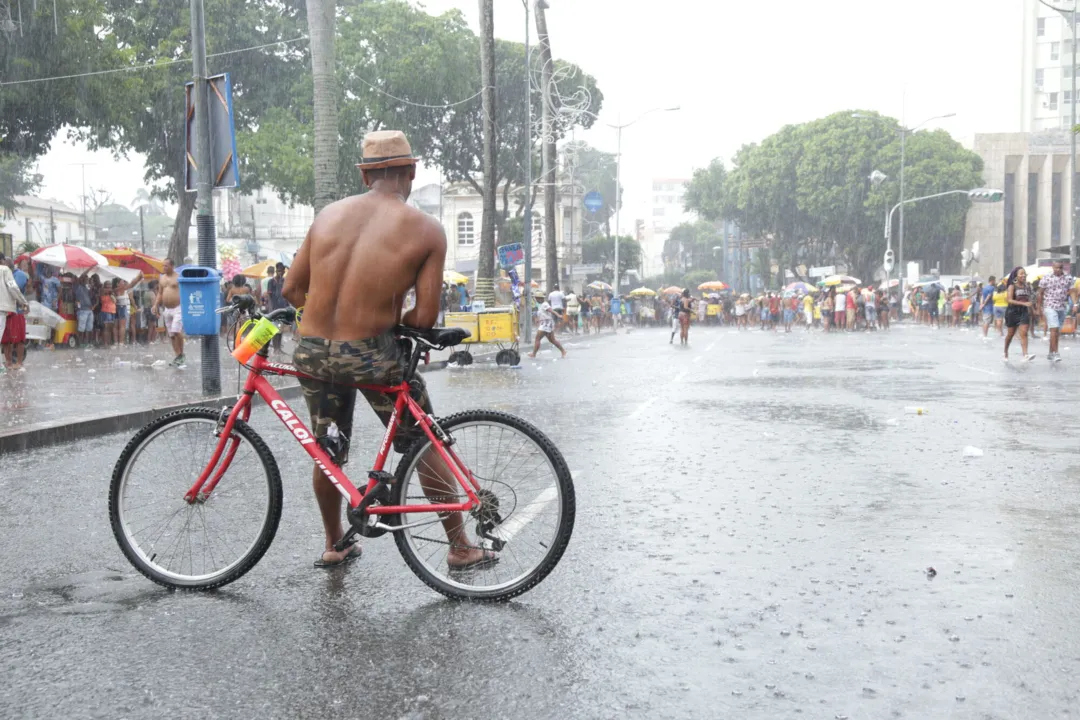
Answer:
(340, 363)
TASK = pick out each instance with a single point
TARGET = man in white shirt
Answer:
(545, 327)
(558, 303)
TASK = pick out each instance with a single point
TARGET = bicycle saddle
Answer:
(436, 337)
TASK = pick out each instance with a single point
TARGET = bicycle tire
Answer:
(562, 534)
(238, 568)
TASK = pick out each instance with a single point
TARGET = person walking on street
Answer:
(986, 301)
(1018, 314)
(1054, 291)
(573, 311)
(122, 292)
(545, 328)
(557, 301)
(167, 304)
(686, 309)
(13, 337)
(11, 301)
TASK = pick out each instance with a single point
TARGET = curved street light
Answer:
(618, 173)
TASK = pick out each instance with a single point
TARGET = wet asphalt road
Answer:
(756, 516)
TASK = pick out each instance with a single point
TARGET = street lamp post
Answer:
(979, 195)
(618, 177)
(903, 162)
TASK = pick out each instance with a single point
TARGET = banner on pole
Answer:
(511, 255)
(223, 161)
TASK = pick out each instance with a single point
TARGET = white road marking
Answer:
(698, 359)
(643, 407)
(681, 376)
(711, 345)
(519, 520)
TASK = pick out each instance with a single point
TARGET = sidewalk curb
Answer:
(55, 433)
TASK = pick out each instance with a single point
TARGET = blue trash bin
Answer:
(199, 291)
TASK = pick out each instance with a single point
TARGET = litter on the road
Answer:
(892, 422)
(971, 451)
(912, 410)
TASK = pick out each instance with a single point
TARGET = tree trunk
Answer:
(485, 274)
(178, 243)
(551, 269)
(321, 15)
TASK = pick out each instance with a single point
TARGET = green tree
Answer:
(601, 250)
(806, 189)
(691, 246)
(705, 193)
(595, 170)
(31, 113)
(143, 111)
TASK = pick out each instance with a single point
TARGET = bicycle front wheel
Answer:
(527, 513)
(214, 540)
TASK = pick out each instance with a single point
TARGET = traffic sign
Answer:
(593, 201)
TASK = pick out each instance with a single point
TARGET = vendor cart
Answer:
(496, 326)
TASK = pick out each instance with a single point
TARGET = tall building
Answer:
(1047, 72)
(665, 212)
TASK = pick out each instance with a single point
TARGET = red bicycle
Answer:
(196, 495)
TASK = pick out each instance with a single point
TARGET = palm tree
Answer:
(321, 17)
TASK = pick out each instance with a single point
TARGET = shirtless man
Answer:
(360, 258)
(167, 304)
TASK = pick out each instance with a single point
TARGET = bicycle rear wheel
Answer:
(208, 543)
(529, 507)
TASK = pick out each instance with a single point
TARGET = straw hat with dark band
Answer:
(386, 148)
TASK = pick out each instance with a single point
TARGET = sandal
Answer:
(488, 559)
(355, 551)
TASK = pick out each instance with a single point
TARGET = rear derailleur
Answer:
(488, 518)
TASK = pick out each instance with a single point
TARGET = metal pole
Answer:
(526, 293)
(618, 200)
(211, 361)
(52, 227)
(142, 229)
(903, 145)
(84, 226)
(573, 192)
(1072, 139)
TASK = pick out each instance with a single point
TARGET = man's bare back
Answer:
(361, 256)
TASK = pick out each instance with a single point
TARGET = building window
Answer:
(537, 230)
(1055, 51)
(1052, 102)
(1039, 78)
(1040, 27)
(658, 212)
(466, 233)
(1067, 97)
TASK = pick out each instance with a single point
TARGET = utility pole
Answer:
(52, 227)
(551, 257)
(485, 267)
(84, 223)
(618, 201)
(526, 295)
(204, 206)
(254, 235)
(142, 229)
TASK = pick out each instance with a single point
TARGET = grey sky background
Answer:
(739, 71)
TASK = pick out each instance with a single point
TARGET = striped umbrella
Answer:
(68, 257)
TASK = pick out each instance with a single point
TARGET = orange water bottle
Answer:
(253, 337)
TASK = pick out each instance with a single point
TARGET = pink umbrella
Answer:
(68, 257)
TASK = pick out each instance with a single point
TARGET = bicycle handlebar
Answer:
(247, 303)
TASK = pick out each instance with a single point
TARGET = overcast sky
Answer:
(739, 71)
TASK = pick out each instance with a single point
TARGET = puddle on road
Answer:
(96, 591)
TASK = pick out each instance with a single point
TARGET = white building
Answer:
(32, 217)
(665, 212)
(1046, 69)
(462, 210)
(275, 226)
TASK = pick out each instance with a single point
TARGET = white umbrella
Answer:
(110, 271)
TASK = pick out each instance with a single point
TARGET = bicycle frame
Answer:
(256, 384)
